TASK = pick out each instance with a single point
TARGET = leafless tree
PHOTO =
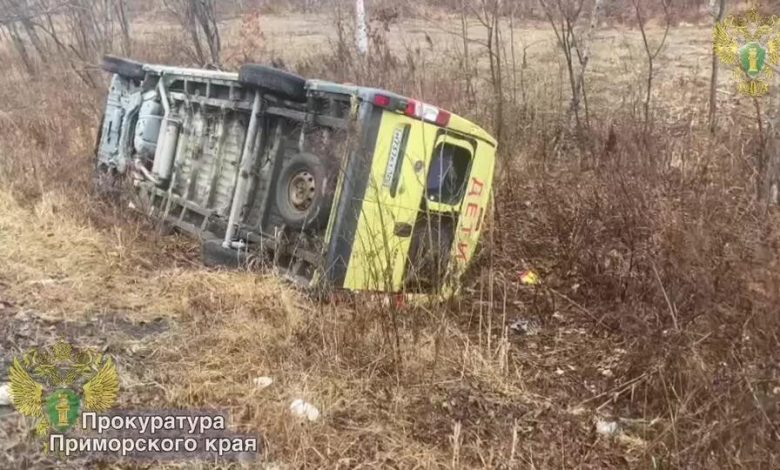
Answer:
(584, 55)
(464, 26)
(768, 171)
(122, 19)
(198, 18)
(563, 16)
(717, 9)
(771, 175)
(12, 32)
(651, 53)
(76, 32)
(361, 28)
(489, 15)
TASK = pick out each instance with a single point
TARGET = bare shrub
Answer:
(647, 256)
(408, 73)
(252, 46)
(650, 51)
(77, 33)
(198, 21)
(563, 17)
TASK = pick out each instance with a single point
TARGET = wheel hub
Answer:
(302, 190)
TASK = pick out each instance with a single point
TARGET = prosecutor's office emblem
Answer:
(54, 385)
(750, 44)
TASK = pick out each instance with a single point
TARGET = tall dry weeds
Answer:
(675, 269)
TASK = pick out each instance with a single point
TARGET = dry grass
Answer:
(57, 265)
(657, 312)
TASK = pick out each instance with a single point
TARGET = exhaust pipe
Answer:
(162, 168)
(165, 153)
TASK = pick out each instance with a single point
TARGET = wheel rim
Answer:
(302, 190)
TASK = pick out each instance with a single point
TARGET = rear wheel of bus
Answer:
(303, 196)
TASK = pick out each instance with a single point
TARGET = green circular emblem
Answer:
(63, 407)
(752, 58)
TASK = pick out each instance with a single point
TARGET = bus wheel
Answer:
(302, 193)
(278, 82)
(124, 67)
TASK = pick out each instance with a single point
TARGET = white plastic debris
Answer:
(263, 382)
(5, 395)
(607, 428)
(306, 410)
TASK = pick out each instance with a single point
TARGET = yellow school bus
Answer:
(413, 198)
(332, 185)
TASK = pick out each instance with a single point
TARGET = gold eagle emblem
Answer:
(750, 44)
(55, 385)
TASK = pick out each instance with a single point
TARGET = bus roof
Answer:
(456, 122)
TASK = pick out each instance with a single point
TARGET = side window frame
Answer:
(448, 138)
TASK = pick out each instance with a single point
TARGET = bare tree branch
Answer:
(651, 55)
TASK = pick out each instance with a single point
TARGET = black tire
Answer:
(278, 82)
(124, 67)
(309, 208)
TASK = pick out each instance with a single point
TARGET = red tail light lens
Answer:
(443, 118)
(411, 109)
(427, 113)
(382, 101)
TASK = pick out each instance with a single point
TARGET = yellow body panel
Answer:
(475, 206)
(466, 127)
(379, 255)
(378, 259)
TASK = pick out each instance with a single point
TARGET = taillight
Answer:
(427, 112)
(411, 109)
(443, 119)
(415, 109)
(382, 101)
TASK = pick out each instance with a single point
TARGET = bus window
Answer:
(448, 174)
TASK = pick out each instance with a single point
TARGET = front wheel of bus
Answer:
(124, 67)
(278, 82)
(302, 193)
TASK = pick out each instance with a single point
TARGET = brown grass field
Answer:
(658, 310)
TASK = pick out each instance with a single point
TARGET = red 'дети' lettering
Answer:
(476, 187)
(473, 210)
